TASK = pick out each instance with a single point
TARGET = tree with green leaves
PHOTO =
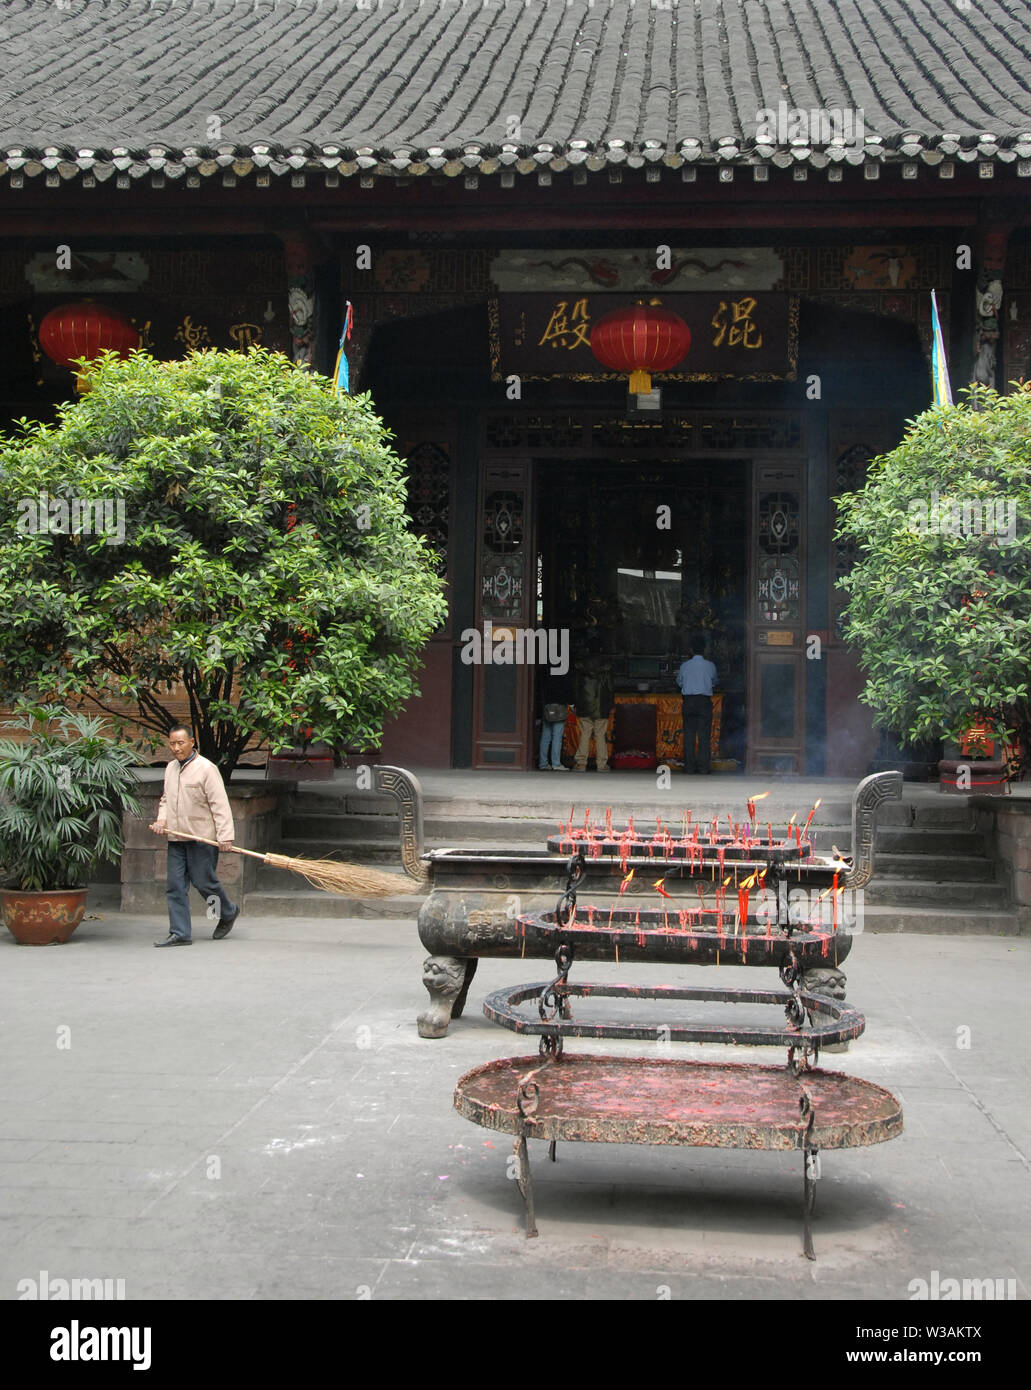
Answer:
(227, 525)
(939, 606)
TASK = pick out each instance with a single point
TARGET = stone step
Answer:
(934, 868)
(497, 804)
(935, 921)
(386, 846)
(951, 812)
(929, 811)
(893, 870)
(354, 832)
(978, 897)
(464, 825)
(446, 830)
(311, 903)
(901, 840)
(907, 855)
(938, 894)
(299, 824)
(274, 880)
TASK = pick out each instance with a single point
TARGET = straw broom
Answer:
(333, 875)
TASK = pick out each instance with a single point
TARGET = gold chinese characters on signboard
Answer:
(734, 325)
(753, 336)
(568, 327)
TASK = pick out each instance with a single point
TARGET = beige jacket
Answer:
(194, 804)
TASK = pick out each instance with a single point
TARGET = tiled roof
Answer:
(155, 89)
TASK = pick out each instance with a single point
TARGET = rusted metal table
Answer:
(637, 1100)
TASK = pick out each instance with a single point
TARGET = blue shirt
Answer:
(697, 676)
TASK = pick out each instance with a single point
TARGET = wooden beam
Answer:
(426, 204)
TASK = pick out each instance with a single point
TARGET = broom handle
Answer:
(234, 849)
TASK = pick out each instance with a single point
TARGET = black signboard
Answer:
(751, 335)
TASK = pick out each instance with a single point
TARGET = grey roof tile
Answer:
(405, 75)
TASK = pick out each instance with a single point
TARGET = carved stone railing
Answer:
(404, 787)
(867, 799)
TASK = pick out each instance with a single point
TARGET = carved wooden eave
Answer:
(769, 168)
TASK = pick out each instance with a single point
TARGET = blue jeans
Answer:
(191, 862)
(551, 736)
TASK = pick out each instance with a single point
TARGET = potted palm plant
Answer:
(63, 787)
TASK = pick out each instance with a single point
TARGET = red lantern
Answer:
(640, 339)
(85, 329)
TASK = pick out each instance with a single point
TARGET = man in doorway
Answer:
(593, 707)
(193, 807)
(696, 679)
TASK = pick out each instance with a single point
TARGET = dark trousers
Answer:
(191, 862)
(697, 711)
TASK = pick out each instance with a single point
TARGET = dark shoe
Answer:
(172, 940)
(225, 926)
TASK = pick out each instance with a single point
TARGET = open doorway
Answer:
(641, 560)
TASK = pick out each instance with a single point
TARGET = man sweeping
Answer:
(193, 807)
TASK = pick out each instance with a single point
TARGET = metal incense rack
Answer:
(557, 1095)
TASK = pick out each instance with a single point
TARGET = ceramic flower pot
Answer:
(42, 919)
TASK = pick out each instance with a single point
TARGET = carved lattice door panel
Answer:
(502, 689)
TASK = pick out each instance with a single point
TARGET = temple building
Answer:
(483, 183)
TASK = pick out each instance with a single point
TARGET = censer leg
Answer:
(446, 979)
(551, 1151)
(525, 1184)
(832, 983)
(459, 1004)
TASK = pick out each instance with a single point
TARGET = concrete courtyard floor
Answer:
(258, 1118)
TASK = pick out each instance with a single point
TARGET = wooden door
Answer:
(419, 735)
(776, 699)
(856, 436)
(505, 587)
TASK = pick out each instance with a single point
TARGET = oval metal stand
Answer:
(639, 1100)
